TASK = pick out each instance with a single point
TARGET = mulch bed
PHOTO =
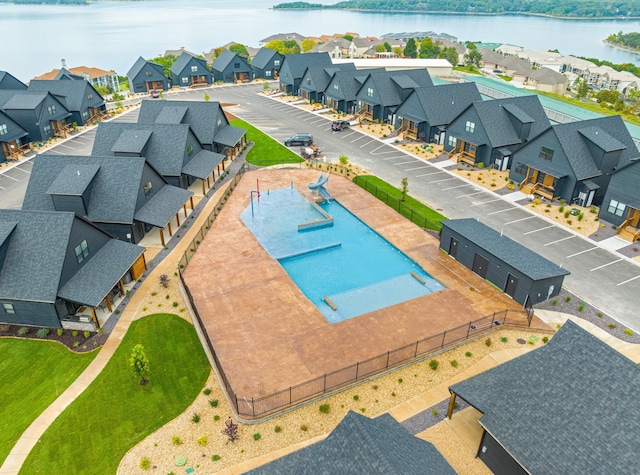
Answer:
(77, 343)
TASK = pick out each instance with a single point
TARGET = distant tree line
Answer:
(556, 8)
(46, 2)
(632, 68)
(630, 40)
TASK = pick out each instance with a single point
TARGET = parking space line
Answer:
(28, 172)
(393, 158)
(470, 194)
(521, 219)
(359, 138)
(405, 163)
(536, 230)
(628, 280)
(459, 186)
(582, 252)
(440, 181)
(9, 177)
(559, 240)
(429, 174)
(605, 265)
(501, 211)
(367, 143)
(417, 168)
(485, 202)
(347, 135)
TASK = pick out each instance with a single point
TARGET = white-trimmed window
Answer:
(546, 153)
(3, 129)
(47, 129)
(52, 109)
(336, 87)
(370, 91)
(452, 141)
(85, 115)
(276, 62)
(185, 80)
(8, 308)
(194, 69)
(148, 189)
(617, 208)
(267, 73)
(470, 126)
(82, 251)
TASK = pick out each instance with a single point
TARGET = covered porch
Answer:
(408, 128)
(94, 289)
(199, 80)
(203, 167)
(13, 148)
(97, 113)
(629, 230)
(60, 128)
(464, 151)
(366, 111)
(233, 139)
(153, 85)
(241, 77)
(164, 207)
(542, 181)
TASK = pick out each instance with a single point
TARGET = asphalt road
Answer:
(602, 278)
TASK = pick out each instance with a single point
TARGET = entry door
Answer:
(453, 247)
(480, 265)
(512, 285)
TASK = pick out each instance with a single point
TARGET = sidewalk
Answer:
(117, 326)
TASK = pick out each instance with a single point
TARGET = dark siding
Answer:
(497, 459)
(479, 135)
(148, 175)
(119, 231)
(27, 119)
(38, 314)
(79, 231)
(75, 204)
(622, 188)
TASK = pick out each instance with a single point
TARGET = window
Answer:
(308, 80)
(336, 87)
(470, 126)
(521, 169)
(90, 96)
(148, 189)
(546, 153)
(85, 115)
(82, 251)
(148, 73)
(189, 148)
(219, 122)
(370, 91)
(185, 80)
(3, 129)
(285, 75)
(47, 129)
(236, 65)
(617, 208)
(8, 308)
(52, 109)
(267, 74)
(452, 141)
(276, 62)
(194, 69)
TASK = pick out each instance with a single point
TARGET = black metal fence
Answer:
(250, 407)
(400, 206)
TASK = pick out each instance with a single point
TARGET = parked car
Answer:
(338, 125)
(299, 139)
(154, 94)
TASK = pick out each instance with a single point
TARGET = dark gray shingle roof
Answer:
(163, 206)
(506, 249)
(359, 445)
(8, 81)
(569, 407)
(441, 104)
(225, 58)
(34, 259)
(263, 57)
(132, 141)
(140, 64)
(171, 115)
(298, 63)
(202, 164)
(74, 92)
(73, 179)
(91, 284)
(184, 59)
(229, 136)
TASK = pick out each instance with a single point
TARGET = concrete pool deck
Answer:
(269, 337)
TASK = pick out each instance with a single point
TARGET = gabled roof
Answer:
(359, 445)
(184, 59)
(35, 255)
(202, 164)
(140, 64)
(74, 92)
(263, 57)
(321, 75)
(298, 63)
(132, 141)
(116, 182)
(497, 124)
(441, 104)
(512, 253)
(8, 81)
(389, 83)
(206, 119)
(166, 146)
(14, 131)
(225, 58)
(608, 133)
(65, 74)
(23, 100)
(163, 206)
(283, 36)
(568, 407)
(350, 82)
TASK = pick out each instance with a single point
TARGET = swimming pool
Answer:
(334, 258)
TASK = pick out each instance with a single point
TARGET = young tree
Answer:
(380, 49)
(277, 45)
(429, 48)
(348, 37)
(404, 188)
(450, 54)
(230, 430)
(582, 90)
(207, 98)
(292, 47)
(308, 44)
(410, 49)
(240, 50)
(473, 58)
(166, 62)
(139, 364)
(387, 47)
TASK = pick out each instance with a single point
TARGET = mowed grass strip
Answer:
(266, 150)
(410, 208)
(114, 413)
(32, 374)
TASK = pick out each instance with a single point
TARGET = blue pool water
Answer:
(340, 258)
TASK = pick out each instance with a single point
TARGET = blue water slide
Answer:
(322, 179)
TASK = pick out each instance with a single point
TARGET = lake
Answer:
(111, 35)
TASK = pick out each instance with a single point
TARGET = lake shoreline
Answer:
(621, 47)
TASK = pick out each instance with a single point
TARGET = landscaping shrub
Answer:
(175, 440)
(627, 331)
(203, 440)
(356, 397)
(215, 457)
(59, 331)
(216, 417)
(433, 364)
(207, 391)
(196, 418)
(304, 428)
(545, 339)
(504, 339)
(277, 429)
(325, 408)
(487, 342)
(567, 298)
(213, 402)
(434, 412)
(256, 436)
(23, 331)
(231, 430)
(87, 334)
(454, 363)
(145, 463)
(164, 280)
(468, 354)
(42, 333)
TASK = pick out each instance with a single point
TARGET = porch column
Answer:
(184, 208)
(218, 167)
(452, 403)
(208, 182)
(178, 219)
(169, 226)
(109, 306)
(191, 201)
(222, 165)
(161, 235)
(203, 187)
(121, 287)
(95, 318)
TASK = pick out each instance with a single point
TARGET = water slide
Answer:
(322, 179)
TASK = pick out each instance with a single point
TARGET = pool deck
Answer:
(268, 336)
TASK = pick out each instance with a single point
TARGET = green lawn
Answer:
(410, 208)
(33, 375)
(265, 151)
(115, 412)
